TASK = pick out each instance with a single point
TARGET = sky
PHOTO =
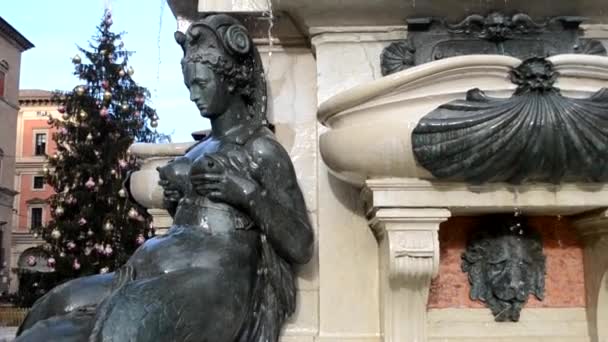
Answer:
(57, 27)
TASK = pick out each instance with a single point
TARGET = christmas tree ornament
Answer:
(35, 235)
(80, 90)
(50, 262)
(124, 106)
(130, 71)
(76, 59)
(90, 183)
(104, 270)
(104, 112)
(89, 137)
(133, 214)
(121, 73)
(71, 245)
(99, 248)
(59, 211)
(61, 109)
(90, 232)
(108, 250)
(62, 255)
(100, 181)
(55, 234)
(122, 163)
(83, 114)
(31, 260)
(97, 153)
(65, 116)
(122, 193)
(107, 95)
(103, 52)
(140, 239)
(76, 264)
(108, 226)
(45, 169)
(82, 221)
(154, 124)
(105, 84)
(88, 250)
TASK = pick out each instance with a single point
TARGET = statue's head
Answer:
(505, 263)
(221, 66)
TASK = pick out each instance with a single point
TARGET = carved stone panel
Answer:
(516, 35)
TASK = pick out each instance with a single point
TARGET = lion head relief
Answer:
(505, 263)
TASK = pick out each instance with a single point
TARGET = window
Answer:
(40, 144)
(38, 182)
(35, 217)
(2, 76)
(1, 157)
(3, 70)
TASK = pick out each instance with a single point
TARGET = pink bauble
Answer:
(31, 260)
(90, 183)
(76, 264)
(50, 262)
(82, 221)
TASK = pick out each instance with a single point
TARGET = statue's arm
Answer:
(278, 205)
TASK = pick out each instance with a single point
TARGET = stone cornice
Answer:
(13, 35)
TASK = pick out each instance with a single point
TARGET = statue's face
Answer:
(504, 268)
(509, 270)
(206, 90)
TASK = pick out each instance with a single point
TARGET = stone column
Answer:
(593, 230)
(409, 259)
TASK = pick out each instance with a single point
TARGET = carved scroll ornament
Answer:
(497, 33)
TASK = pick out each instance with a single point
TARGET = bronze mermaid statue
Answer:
(224, 270)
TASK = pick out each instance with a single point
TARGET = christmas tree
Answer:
(94, 226)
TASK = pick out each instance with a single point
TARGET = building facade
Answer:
(33, 143)
(12, 45)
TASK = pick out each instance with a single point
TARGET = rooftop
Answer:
(11, 33)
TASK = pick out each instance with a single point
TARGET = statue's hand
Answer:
(174, 180)
(221, 180)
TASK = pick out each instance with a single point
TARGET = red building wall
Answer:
(29, 127)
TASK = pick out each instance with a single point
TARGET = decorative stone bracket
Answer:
(409, 259)
(593, 230)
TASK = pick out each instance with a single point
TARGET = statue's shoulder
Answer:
(264, 145)
(272, 159)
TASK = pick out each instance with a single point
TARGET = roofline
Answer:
(38, 100)
(9, 31)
